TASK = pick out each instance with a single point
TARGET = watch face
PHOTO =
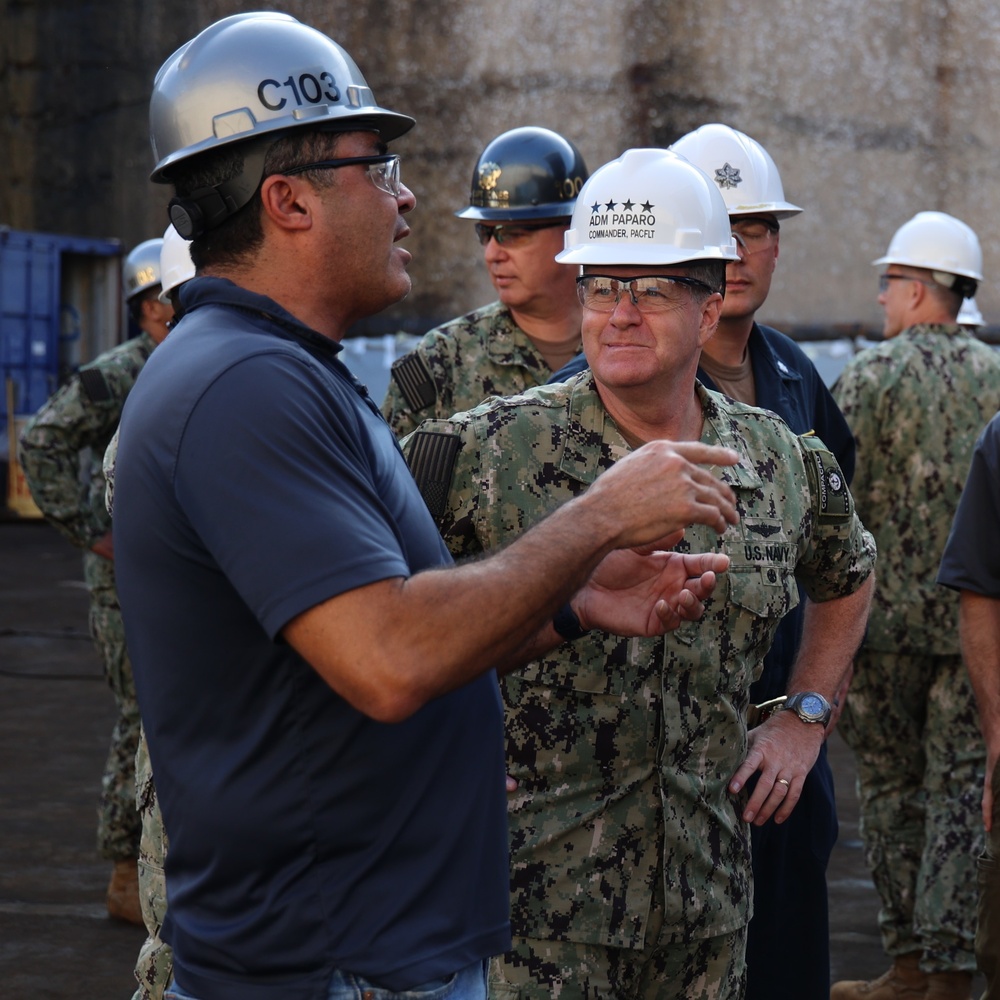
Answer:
(813, 705)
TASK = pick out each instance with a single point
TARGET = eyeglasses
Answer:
(752, 237)
(510, 236)
(884, 279)
(383, 169)
(653, 293)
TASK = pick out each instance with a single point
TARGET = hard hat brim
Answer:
(534, 213)
(388, 125)
(639, 256)
(905, 262)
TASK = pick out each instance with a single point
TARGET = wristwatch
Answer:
(809, 707)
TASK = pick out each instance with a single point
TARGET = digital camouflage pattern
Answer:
(911, 721)
(623, 748)
(457, 365)
(706, 969)
(76, 424)
(117, 819)
(61, 451)
(155, 965)
(712, 968)
(108, 464)
(916, 404)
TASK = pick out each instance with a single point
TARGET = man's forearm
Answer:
(391, 646)
(831, 634)
(420, 637)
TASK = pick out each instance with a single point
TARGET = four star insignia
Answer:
(627, 206)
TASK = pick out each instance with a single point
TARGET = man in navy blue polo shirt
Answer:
(317, 682)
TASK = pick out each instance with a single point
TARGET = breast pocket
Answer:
(762, 570)
(761, 585)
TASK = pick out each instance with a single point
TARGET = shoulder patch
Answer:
(826, 480)
(413, 377)
(93, 384)
(432, 456)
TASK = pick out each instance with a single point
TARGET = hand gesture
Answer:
(648, 593)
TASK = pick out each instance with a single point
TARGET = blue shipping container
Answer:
(60, 306)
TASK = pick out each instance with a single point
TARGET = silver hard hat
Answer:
(141, 269)
(254, 74)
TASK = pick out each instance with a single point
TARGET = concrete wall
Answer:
(873, 110)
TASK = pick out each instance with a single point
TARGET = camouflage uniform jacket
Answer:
(622, 748)
(81, 417)
(457, 365)
(916, 404)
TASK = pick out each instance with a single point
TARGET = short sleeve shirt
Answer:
(972, 555)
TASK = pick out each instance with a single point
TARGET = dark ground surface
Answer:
(56, 713)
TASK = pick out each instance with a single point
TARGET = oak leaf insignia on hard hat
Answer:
(728, 176)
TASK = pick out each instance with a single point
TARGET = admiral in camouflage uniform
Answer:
(622, 829)
(630, 864)
(916, 404)
(61, 450)
(523, 191)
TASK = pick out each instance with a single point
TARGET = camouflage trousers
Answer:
(118, 821)
(155, 964)
(912, 724)
(709, 969)
(668, 968)
(988, 928)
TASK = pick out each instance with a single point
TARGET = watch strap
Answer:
(566, 623)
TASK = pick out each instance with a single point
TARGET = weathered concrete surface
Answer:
(873, 111)
(56, 714)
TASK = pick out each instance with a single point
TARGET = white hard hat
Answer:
(648, 207)
(969, 314)
(942, 244)
(141, 269)
(741, 167)
(176, 265)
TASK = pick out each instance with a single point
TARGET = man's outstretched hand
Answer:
(648, 593)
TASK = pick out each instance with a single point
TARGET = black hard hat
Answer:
(526, 173)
